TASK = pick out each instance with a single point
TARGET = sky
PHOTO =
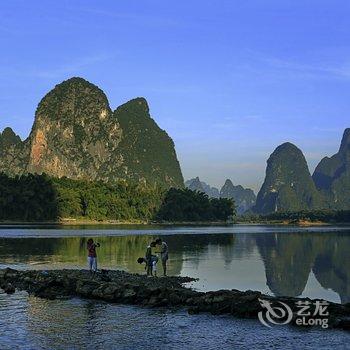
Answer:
(228, 80)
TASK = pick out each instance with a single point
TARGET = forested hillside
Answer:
(43, 198)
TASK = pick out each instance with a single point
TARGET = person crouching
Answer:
(150, 265)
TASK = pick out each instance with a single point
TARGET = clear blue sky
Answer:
(229, 80)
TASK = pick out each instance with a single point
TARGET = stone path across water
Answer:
(126, 288)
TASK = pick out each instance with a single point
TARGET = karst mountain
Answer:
(76, 134)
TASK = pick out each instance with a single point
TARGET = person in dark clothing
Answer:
(92, 256)
(148, 258)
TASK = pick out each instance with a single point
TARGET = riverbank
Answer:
(78, 222)
(170, 292)
(305, 223)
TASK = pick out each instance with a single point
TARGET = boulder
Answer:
(86, 287)
(8, 288)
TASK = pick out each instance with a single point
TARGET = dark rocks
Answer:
(128, 295)
(343, 324)
(9, 273)
(8, 288)
(126, 288)
(108, 292)
(86, 288)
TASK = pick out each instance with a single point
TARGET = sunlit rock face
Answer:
(332, 176)
(288, 185)
(77, 135)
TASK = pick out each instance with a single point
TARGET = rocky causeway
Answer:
(116, 286)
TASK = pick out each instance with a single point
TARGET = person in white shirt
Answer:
(164, 254)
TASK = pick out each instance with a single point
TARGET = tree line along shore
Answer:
(40, 198)
(33, 198)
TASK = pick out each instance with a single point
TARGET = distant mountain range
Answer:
(197, 185)
(77, 135)
(289, 186)
(244, 197)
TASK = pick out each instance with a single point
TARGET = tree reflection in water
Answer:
(288, 258)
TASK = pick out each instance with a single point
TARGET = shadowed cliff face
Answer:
(332, 175)
(76, 134)
(288, 185)
(148, 152)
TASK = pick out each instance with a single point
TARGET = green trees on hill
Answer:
(27, 198)
(99, 201)
(288, 185)
(42, 198)
(187, 205)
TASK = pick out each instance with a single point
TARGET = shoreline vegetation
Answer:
(299, 218)
(234, 221)
(116, 286)
(84, 222)
(77, 222)
(40, 199)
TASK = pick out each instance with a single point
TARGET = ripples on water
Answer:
(32, 323)
(312, 262)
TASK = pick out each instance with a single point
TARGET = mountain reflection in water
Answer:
(291, 264)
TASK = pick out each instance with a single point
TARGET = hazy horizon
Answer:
(228, 83)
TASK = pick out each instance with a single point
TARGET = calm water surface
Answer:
(311, 262)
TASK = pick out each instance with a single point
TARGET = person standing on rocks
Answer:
(92, 256)
(164, 254)
(148, 258)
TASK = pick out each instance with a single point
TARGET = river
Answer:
(309, 262)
